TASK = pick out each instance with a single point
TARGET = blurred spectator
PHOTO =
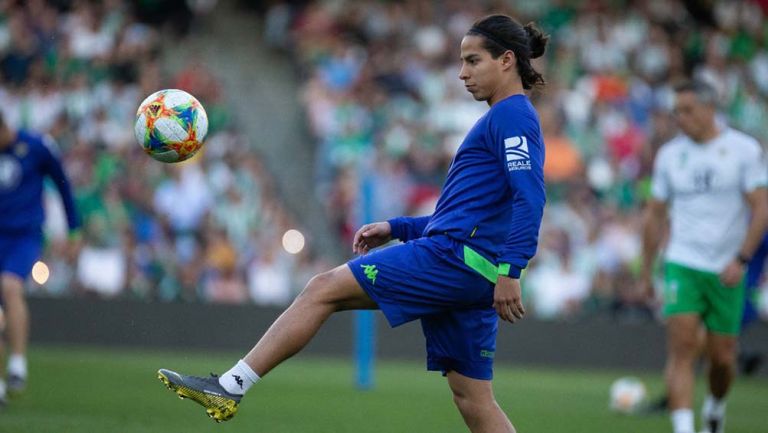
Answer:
(269, 281)
(224, 284)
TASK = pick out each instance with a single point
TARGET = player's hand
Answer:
(508, 299)
(648, 290)
(371, 236)
(732, 274)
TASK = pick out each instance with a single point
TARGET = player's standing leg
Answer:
(17, 330)
(721, 352)
(682, 350)
(477, 405)
(3, 389)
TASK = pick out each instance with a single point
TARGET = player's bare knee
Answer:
(463, 403)
(684, 348)
(472, 405)
(471, 400)
(321, 289)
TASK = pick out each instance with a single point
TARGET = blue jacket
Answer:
(493, 198)
(23, 166)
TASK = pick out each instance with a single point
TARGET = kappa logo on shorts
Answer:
(370, 272)
(487, 354)
(518, 155)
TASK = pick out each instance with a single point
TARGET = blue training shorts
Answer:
(427, 279)
(19, 252)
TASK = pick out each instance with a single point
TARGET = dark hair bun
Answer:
(537, 40)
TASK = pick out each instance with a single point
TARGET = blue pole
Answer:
(365, 324)
(365, 340)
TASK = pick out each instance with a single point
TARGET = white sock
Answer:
(682, 420)
(239, 379)
(17, 365)
(713, 409)
(2, 388)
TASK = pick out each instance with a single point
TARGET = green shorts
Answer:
(688, 290)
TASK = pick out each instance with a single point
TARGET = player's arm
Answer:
(407, 228)
(53, 169)
(758, 204)
(529, 197)
(372, 235)
(655, 223)
(754, 178)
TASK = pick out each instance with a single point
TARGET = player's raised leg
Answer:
(17, 314)
(326, 293)
(682, 349)
(477, 405)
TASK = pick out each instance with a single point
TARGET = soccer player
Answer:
(458, 270)
(749, 361)
(25, 160)
(712, 182)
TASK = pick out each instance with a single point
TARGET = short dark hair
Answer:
(503, 33)
(704, 91)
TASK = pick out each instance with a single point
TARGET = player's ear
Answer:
(508, 60)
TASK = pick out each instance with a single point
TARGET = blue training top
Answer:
(494, 196)
(23, 166)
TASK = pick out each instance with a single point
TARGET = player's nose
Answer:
(463, 74)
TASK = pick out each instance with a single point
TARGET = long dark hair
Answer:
(502, 33)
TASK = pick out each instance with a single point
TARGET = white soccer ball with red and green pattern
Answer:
(171, 125)
(627, 395)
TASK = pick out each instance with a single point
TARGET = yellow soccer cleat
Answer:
(206, 391)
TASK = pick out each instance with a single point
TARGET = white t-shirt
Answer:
(704, 186)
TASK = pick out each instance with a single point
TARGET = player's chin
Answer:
(479, 96)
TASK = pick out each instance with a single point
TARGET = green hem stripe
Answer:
(480, 264)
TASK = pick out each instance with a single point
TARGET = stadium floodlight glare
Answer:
(293, 241)
(40, 273)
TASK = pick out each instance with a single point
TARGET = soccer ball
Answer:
(171, 125)
(627, 395)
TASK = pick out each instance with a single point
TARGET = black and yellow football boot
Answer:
(206, 391)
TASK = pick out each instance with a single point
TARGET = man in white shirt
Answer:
(711, 183)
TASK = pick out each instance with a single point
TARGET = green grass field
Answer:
(116, 391)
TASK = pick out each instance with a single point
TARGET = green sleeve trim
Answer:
(480, 264)
(504, 269)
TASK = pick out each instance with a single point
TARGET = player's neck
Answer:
(513, 88)
(707, 135)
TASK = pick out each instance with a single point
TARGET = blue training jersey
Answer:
(493, 198)
(23, 167)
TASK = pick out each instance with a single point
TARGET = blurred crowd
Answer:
(206, 230)
(380, 87)
(386, 107)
